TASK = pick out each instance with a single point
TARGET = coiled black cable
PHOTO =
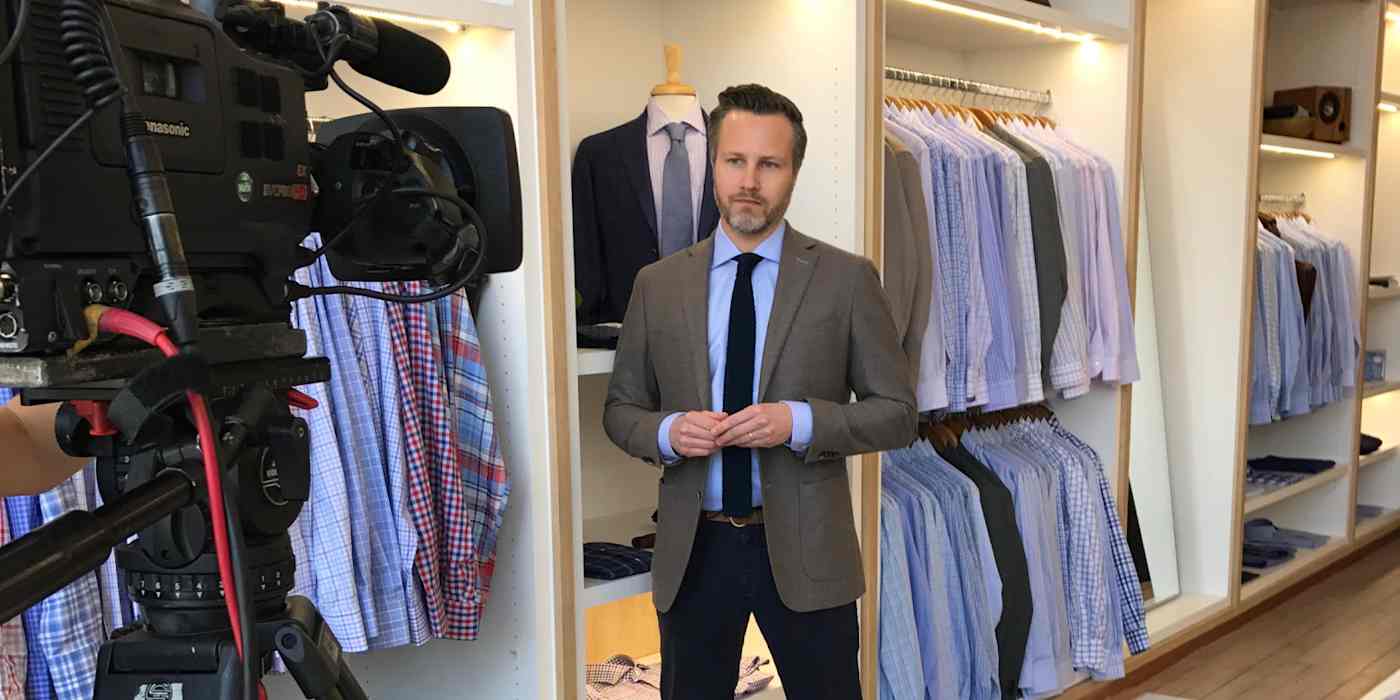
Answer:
(85, 46)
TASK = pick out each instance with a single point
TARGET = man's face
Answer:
(753, 171)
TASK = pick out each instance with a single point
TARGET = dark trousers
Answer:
(702, 635)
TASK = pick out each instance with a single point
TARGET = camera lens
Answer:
(9, 326)
(94, 292)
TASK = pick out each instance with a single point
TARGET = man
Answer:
(33, 462)
(734, 373)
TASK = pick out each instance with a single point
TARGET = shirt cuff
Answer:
(663, 440)
(801, 437)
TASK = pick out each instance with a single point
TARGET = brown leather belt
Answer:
(754, 518)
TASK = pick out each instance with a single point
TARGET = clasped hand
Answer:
(702, 433)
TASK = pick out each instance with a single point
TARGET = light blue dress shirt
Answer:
(723, 269)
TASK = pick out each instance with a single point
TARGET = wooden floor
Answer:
(1334, 640)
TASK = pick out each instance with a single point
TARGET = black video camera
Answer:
(223, 97)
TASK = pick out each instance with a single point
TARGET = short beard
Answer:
(744, 223)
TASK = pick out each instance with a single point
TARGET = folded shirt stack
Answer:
(608, 561)
(1263, 531)
(1267, 545)
(1258, 481)
(622, 678)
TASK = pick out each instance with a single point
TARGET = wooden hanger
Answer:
(983, 117)
(673, 84)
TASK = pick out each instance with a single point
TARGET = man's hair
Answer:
(758, 100)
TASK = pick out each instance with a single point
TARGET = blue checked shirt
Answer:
(25, 516)
(1134, 616)
(977, 581)
(945, 633)
(71, 628)
(350, 529)
(1046, 669)
(901, 670)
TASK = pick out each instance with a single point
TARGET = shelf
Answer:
(619, 529)
(924, 22)
(1378, 456)
(1284, 574)
(1180, 613)
(1378, 388)
(1373, 527)
(1264, 500)
(595, 361)
(1332, 149)
(1391, 97)
(1378, 294)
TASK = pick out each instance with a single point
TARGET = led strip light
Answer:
(443, 24)
(1289, 150)
(1032, 27)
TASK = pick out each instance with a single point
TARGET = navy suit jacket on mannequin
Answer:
(615, 218)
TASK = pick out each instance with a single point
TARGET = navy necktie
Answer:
(738, 385)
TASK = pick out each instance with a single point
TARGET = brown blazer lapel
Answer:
(697, 315)
(794, 272)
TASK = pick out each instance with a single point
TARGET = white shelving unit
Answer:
(1379, 294)
(611, 55)
(1279, 576)
(619, 529)
(1254, 504)
(1289, 142)
(1379, 456)
(595, 361)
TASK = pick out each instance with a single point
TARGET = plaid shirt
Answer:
(480, 467)
(1129, 588)
(14, 650)
(458, 485)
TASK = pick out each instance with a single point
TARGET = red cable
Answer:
(127, 323)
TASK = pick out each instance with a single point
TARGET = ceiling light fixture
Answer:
(1289, 150)
(1032, 27)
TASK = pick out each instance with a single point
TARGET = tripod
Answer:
(148, 467)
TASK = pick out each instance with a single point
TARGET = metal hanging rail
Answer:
(1294, 199)
(1041, 97)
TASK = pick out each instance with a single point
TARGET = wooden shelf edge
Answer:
(1335, 149)
(1378, 456)
(1375, 528)
(1305, 563)
(1378, 388)
(1376, 295)
(1254, 504)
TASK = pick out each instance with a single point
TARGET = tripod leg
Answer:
(348, 688)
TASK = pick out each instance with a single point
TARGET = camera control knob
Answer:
(93, 291)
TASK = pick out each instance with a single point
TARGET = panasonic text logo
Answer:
(180, 129)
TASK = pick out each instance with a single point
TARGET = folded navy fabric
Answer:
(1369, 444)
(1295, 465)
(608, 561)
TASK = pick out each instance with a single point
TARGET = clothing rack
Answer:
(1040, 97)
(1294, 200)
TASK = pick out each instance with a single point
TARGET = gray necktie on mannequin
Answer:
(676, 222)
